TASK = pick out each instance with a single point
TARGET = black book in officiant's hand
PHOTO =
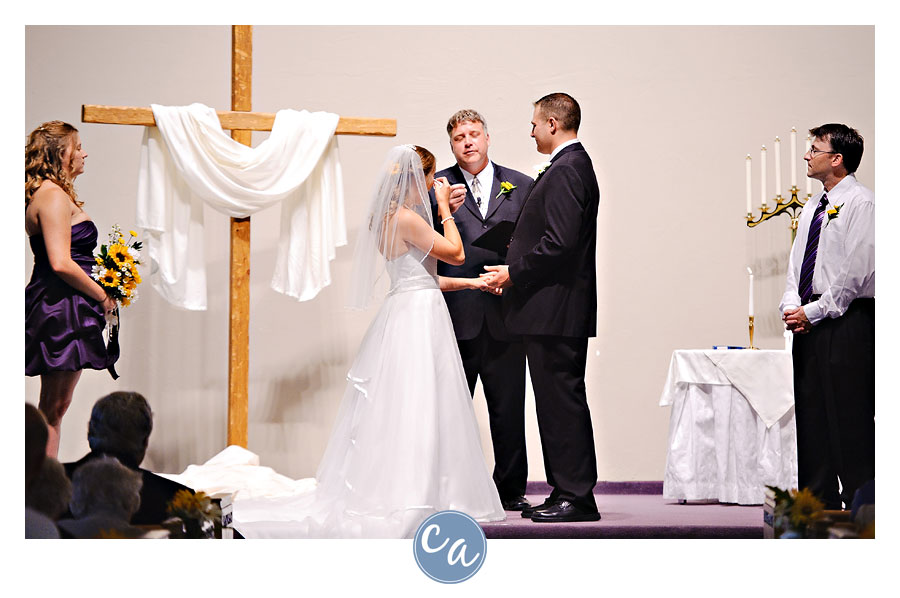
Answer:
(497, 237)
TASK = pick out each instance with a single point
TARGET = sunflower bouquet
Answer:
(116, 266)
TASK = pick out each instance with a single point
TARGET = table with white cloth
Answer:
(732, 429)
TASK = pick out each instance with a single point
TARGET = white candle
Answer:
(749, 200)
(777, 166)
(750, 272)
(793, 157)
(808, 180)
(762, 175)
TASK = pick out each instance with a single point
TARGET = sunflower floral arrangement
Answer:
(796, 511)
(116, 266)
(193, 515)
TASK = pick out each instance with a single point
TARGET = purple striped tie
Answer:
(804, 286)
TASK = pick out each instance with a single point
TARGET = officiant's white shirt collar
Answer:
(559, 148)
(485, 177)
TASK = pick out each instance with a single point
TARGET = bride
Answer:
(405, 444)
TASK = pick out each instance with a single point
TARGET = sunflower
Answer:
(120, 254)
(806, 508)
(109, 278)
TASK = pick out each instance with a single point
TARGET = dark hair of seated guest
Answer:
(50, 491)
(36, 435)
(120, 426)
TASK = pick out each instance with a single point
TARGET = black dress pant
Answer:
(834, 396)
(557, 366)
(501, 366)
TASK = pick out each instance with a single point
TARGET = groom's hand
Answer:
(497, 277)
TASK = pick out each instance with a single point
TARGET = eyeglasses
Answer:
(813, 151)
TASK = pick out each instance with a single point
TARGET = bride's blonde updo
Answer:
(45, 155)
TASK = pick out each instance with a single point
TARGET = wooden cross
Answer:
(241, 121)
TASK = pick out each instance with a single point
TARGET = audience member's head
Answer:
(120, 425)
(105, 486)
(50, 491)
(36, 435)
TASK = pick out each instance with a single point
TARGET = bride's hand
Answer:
(442, 191)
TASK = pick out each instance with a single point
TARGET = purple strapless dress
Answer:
(63, 328)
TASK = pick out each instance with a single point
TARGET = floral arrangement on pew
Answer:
(800, 514)
(193, 515)
(795, 512)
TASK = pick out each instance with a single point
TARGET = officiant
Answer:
(493, 194)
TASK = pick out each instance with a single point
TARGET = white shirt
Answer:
(562, 145)
(845, 262)
(486, 180)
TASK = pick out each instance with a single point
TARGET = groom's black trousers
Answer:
(557, 365)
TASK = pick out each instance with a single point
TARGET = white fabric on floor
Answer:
(722, 445)
(187, 159)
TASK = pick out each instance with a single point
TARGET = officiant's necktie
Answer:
(476, 191)
(804, 286)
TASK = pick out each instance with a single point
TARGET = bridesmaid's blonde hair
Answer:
(45, 155)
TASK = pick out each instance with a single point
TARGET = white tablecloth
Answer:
(732, 429)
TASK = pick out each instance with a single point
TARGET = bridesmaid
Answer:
(64, 308)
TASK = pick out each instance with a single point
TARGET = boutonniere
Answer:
(505, 187)
(833, 213)
(540, 168)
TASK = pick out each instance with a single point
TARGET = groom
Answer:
(494, 193)
(550, 298)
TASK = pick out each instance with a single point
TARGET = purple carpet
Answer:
(636, 510)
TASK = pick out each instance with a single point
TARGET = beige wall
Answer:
(668, 115)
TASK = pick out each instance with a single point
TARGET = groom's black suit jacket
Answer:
(469, 308)
(552, 303)
(551, 257)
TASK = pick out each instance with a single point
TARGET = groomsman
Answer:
(829, 305)
(493, 193)
(550, 298)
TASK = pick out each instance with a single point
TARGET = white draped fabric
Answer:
(187, 159)
(732, 429)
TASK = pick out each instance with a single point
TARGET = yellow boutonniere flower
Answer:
(833, 213)
(505, 187)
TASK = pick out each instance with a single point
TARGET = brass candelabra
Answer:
(751, 333)
(792, 207)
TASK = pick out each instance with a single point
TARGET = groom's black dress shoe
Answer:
(528, 511)
(517, 503)
(563, 510)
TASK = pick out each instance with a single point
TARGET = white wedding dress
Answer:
(405, 443)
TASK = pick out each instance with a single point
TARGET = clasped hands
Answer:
(796, 321)
(496, 278)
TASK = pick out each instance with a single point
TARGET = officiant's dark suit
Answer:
(552, 303)
(486, 348)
